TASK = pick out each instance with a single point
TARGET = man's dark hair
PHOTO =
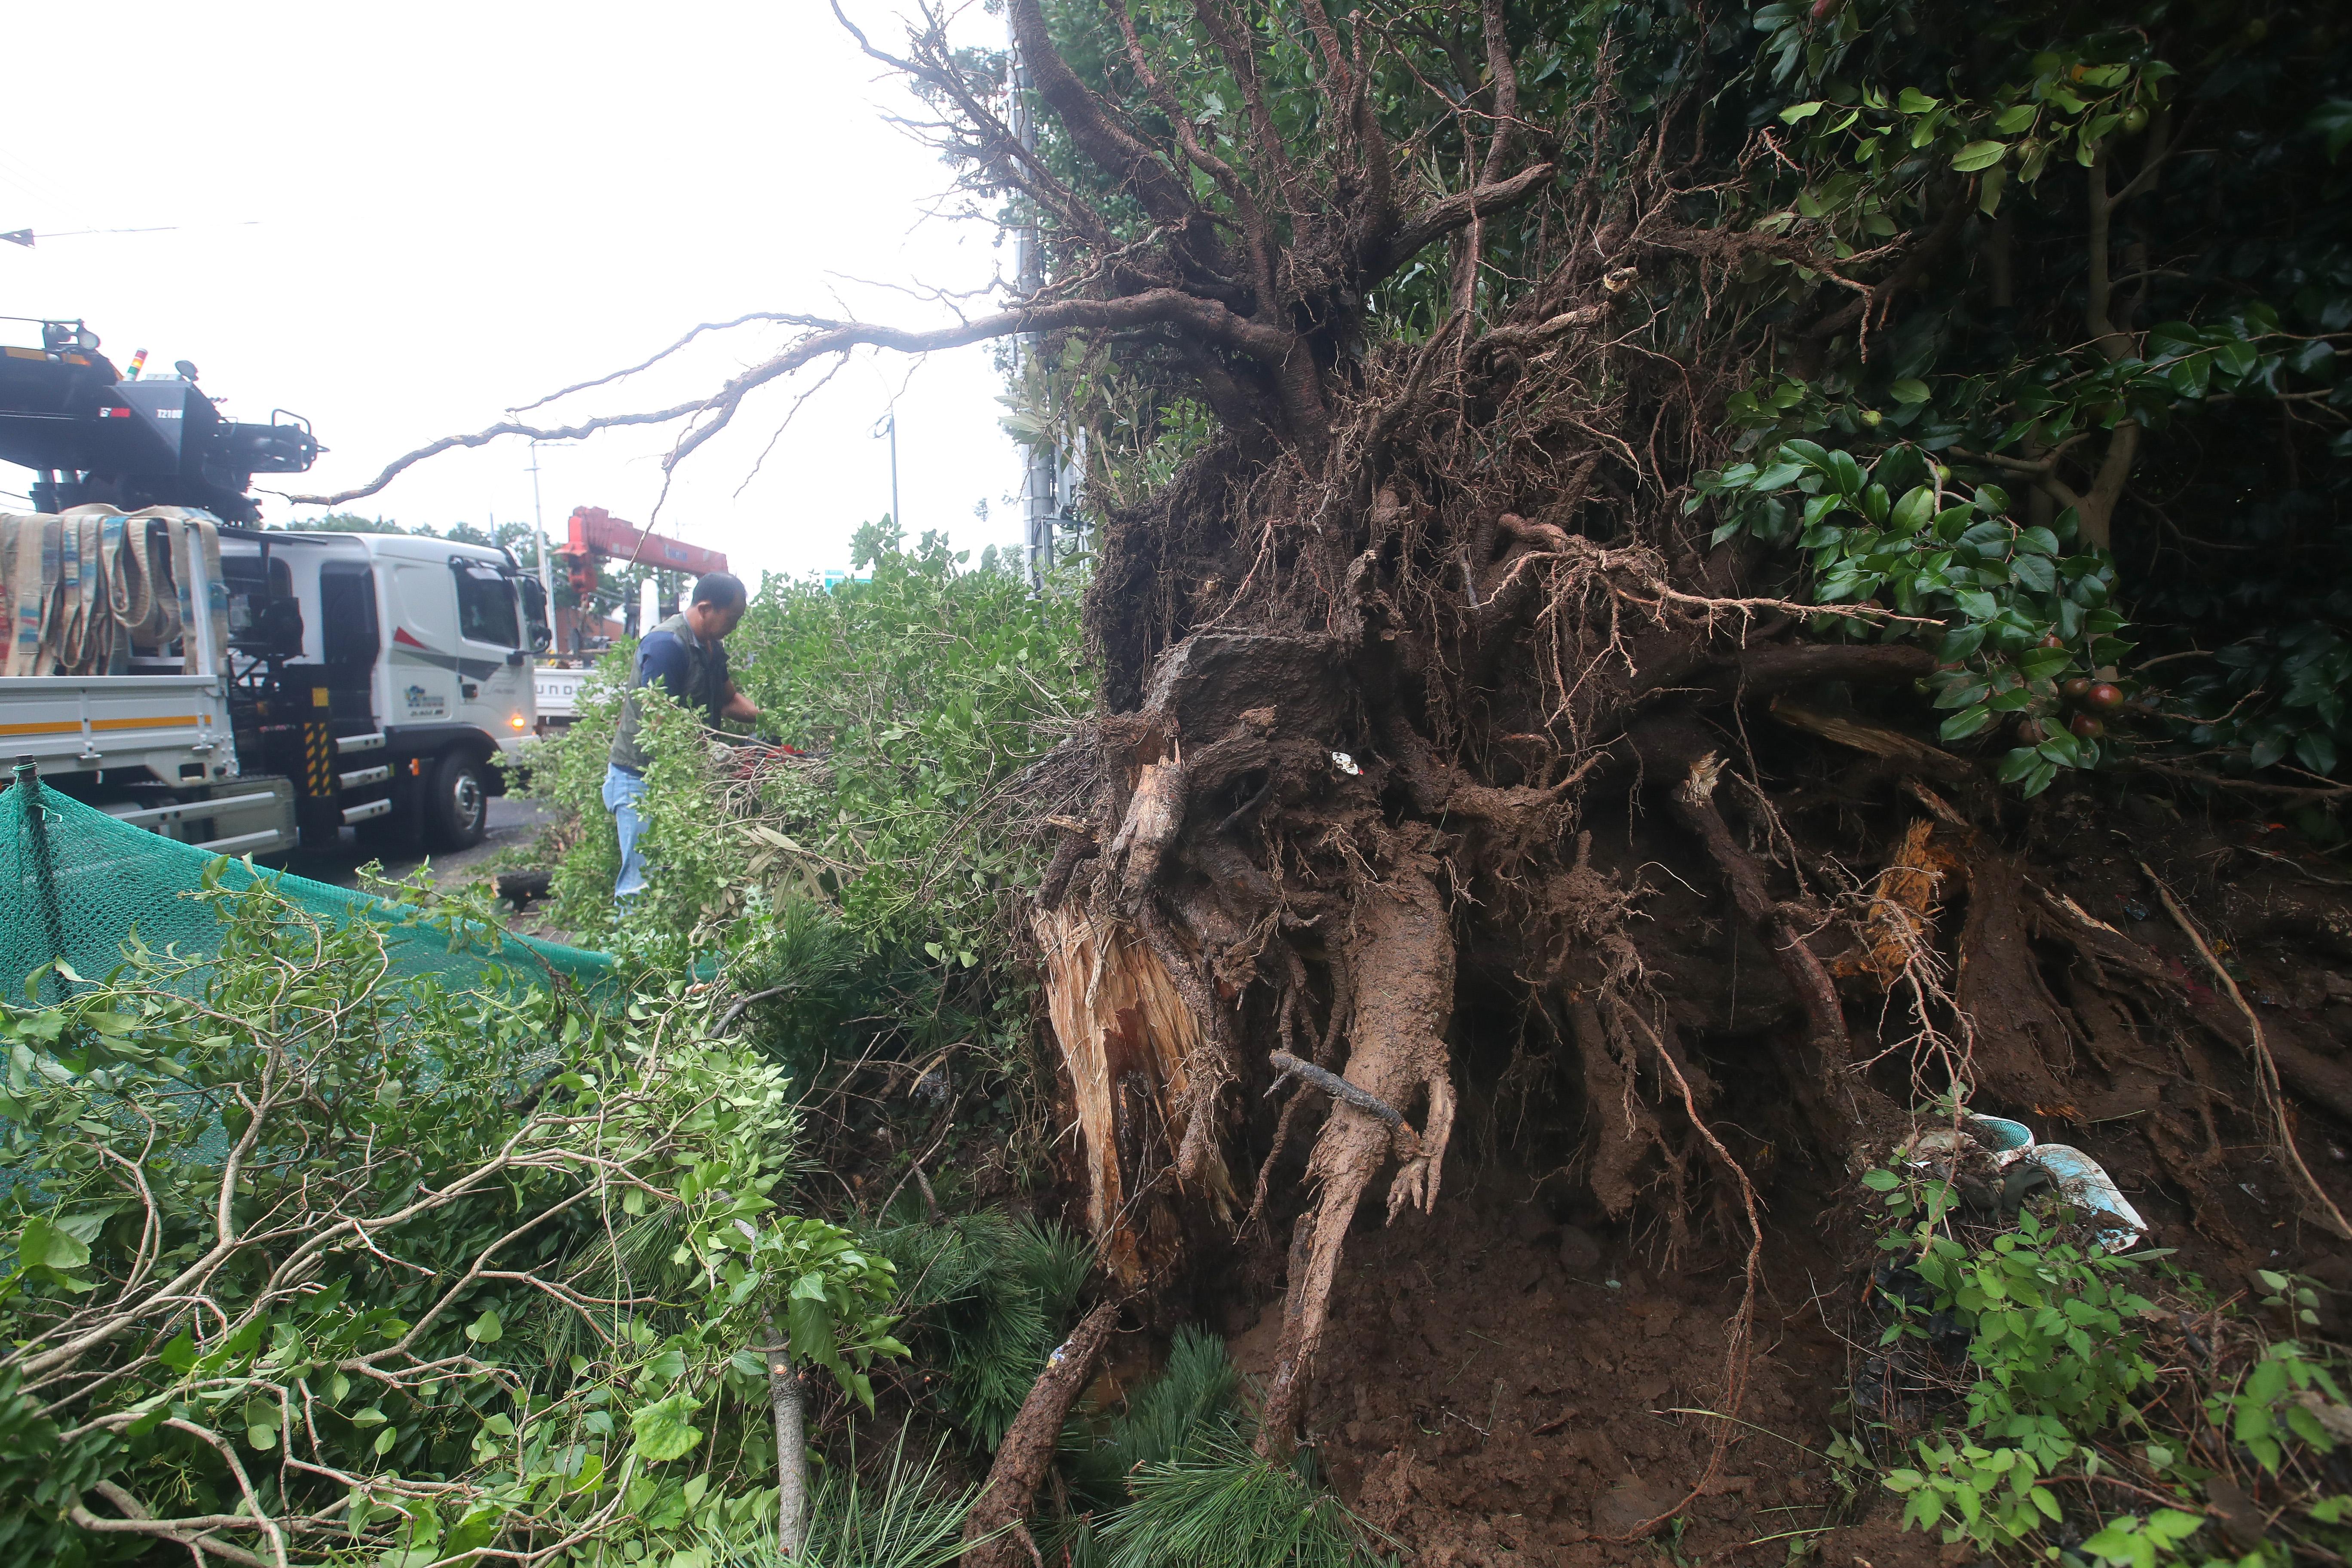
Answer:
(721, 590)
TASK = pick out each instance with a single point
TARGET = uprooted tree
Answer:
(1603, 431)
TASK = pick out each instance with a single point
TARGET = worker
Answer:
(686, 654)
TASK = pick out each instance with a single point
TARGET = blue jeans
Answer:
(622, 791)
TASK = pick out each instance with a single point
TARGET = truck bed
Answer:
(176, 726)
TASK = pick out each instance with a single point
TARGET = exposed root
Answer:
(1396, 1052)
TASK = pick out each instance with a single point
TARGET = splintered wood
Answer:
(1124, 1034)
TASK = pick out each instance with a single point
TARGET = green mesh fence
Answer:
(75, 884)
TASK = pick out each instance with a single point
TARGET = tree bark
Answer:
(993, 1534)
(792, 1442)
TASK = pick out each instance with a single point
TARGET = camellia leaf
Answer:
(1909, 390)
(485, 1330)
(1978, 155)
(1797, 111)
(1966, 722)
(2316, 748)
(1988, 190)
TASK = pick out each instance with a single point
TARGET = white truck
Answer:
(235, 686)
(362, 681)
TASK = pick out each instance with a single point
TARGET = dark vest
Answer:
(706, 692)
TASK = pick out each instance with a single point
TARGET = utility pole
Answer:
(889, 425)
(1038, 498)
(538, 527)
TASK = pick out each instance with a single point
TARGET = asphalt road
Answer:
(512, 821)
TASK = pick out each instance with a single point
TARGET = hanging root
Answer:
(1781, 926)
(1397, 1049)
(2265, 1066)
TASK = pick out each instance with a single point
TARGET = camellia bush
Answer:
(2095, 364)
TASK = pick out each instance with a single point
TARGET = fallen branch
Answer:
(1153, 307)
(1338, 1088)
(995, 1524)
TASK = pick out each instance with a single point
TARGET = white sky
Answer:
(454, 208)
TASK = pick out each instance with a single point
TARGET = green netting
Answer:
(78, 884)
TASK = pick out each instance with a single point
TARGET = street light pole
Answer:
(1037, 487)
(538, 527)
(889, 425)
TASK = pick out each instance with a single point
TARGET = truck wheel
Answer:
(457, 803)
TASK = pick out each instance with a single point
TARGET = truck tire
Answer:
(457, 803)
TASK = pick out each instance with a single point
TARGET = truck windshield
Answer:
(485, 605)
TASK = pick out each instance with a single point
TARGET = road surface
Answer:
(513, 821)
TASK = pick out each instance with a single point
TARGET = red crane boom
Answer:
(597, 535)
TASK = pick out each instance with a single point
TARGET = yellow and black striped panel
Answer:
(317, 759)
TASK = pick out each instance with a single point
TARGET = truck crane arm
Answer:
(597, 535)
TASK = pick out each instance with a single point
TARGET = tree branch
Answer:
(1387, 252)
(1167, 307)
(1111, 148)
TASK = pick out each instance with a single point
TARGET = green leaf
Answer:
(1909, 390)
(1913, 511)
(661, 1428)
(1845, 473)
(1988, 190)
(2013, 121)
(1960, 642)
(2036, 572)
(46, 1245)
(1966, 722)
(1914, 101)
(1978, 155)
(1880, 1179)
(485, 1330)
(1796, 111)
(2316, 748)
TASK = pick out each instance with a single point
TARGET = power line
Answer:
(25, 236)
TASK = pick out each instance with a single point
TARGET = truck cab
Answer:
(384, 674)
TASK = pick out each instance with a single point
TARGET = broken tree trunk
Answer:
(1124, 1034)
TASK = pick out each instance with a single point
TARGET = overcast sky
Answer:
(401, 220)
